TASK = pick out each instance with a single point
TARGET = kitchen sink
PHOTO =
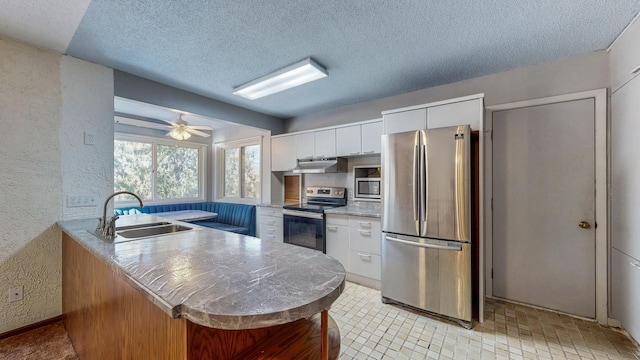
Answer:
(138, 226)
(150, 230)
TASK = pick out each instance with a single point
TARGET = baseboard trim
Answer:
(28, 328)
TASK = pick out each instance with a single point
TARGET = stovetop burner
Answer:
(311, 207)
(320, 199)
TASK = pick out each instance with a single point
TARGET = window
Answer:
(157, 170)
(239, 175)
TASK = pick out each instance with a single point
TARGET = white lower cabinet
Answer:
(364, 264)
(355, 242)
(337, 235)
(625, 292)
(270, 223)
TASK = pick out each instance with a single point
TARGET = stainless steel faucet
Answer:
(108, 228)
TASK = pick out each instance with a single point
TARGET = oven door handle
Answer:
(304, 214)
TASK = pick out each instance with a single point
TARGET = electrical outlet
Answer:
(89, 139)
(81, 201)
(15, 293)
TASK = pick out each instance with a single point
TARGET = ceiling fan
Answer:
(179, 129)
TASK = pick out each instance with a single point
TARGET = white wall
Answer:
(46, 101)
(585, 72)
(87, 107)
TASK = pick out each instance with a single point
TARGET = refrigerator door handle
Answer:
(424, 173)
(457, 247)
(416, 181)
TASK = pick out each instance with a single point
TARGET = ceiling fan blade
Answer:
(140, 123)
(196, 132)
(201, 127)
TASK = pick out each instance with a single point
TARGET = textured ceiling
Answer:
(371, 49)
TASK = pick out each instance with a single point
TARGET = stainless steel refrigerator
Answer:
(426, 221)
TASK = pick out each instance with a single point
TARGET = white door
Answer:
(543, 200)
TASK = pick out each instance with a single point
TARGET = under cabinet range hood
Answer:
(321, 166)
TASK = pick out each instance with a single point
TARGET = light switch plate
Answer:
(81, 201)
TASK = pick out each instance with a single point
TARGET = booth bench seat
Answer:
(237, 218)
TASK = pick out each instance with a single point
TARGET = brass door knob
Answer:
(584, 225)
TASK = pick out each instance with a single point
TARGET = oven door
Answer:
(304, 228)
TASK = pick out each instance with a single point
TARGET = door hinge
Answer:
(595, 225)
(492, 273)
(491, 204)
(491, 134)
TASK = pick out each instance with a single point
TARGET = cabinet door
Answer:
(305, 145)
(348, 140)
(405, 121)
(625, 56)
(625, 187)
(283, 153)
(325, 143)
(625, 292)
(460, 113)
(338, 243)
(371, 134)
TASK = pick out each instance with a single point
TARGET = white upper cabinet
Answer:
(625, 56)
(305, 145)
(459, 113)
(361, 139)
(325, 143)
(283, 153)
(468, 110)
(371, 133)
(405, 121)
(348, 141)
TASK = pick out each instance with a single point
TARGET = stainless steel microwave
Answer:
(367, 188)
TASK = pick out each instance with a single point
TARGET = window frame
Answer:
(154, 141)
(220, 169)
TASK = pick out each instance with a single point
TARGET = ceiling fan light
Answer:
(179, 134)
(294, 75)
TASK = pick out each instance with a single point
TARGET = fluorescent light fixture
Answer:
(294, 75)
(179, 133)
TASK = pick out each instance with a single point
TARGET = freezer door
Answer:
(402, 201)
(447, 185)
(428, 274)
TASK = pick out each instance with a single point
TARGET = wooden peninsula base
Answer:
(107, 318)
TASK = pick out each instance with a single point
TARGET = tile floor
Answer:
(372, 330)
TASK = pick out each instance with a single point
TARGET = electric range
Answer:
(304, 223)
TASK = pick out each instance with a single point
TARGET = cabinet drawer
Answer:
(364, 234)
(342, 220)
(625, 293)
(270, 212)
(271, 232)
(270, 221)
(364, 264)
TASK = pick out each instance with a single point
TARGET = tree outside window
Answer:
(240, 170)
(158, 170)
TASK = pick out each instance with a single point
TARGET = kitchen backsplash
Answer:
(340, 179)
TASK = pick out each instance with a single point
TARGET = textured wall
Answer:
(47, 102)
(31, 183)
(87, 107)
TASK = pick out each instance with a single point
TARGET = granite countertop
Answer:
(277, 204)
(365, 209)
(219, 279)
